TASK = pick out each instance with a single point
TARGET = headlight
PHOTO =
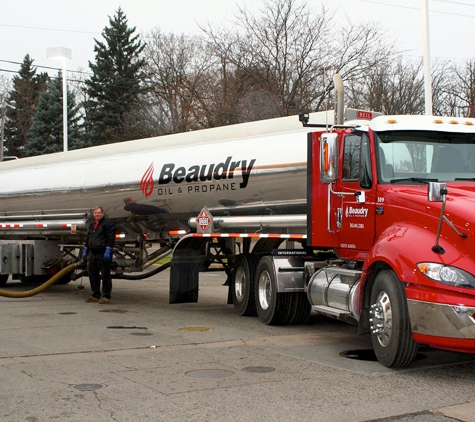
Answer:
(446, 274)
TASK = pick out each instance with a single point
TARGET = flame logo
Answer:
(146, 183)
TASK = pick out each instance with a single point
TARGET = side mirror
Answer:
(329, 157)
(436, 191)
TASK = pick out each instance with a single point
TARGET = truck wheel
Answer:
(272, 307)
(391, 332)
(3, 279)
(300, 309)
(242, 284)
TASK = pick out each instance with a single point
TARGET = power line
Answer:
(49, 29)
(41, 67)
(418, 8)
(459, 3)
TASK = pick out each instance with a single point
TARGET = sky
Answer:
(32, 26)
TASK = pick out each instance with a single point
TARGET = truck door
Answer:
(354, 208)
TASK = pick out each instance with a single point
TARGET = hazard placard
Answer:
(204, 221)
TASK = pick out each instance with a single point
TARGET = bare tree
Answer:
(288, 52)
(391, 86)
(179, 67)
(458, 96)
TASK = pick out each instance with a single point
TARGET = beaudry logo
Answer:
(356, 212)
(146, 183)
(196, 173)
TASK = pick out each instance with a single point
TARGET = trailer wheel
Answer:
(391, 332)
(299, 310)
(242, 284)
(272, 307)
(3, 279)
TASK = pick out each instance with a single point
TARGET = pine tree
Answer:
(113, 91)
(27, 88)
(46, 133)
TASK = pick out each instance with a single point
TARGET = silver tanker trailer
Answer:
(150, 188)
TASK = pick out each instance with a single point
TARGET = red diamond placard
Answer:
(204, 219)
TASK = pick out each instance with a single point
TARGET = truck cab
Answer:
(394, 199)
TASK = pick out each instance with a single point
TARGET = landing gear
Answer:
(391, 332)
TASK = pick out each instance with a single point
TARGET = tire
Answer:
(3, 279)
(272, 308)
(299, 309)
(391, 332)
(242, 285)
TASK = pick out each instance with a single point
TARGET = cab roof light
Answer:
(438, 121)
(391, 121)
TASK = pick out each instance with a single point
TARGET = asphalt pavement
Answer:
(141, 359)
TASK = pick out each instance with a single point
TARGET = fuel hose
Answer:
(42, 287)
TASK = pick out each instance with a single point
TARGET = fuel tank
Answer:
(158, 183)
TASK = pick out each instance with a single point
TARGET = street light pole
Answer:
(2, 133)
(427, 72)
(63, 54)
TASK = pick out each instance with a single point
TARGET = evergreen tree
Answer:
(27, 88)
(46, 133)
(113, 91)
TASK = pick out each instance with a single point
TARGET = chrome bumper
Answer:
(441, 320)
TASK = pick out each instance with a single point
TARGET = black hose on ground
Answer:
(42, 287)
(142, 276)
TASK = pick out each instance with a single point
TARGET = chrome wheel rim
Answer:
(240, 281)
(382, 319)
(265, 290)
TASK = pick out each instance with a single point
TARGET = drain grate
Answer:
(369, 355)
(361, 354)
(209, 373)
(67, 313)
(88, 387)
(259, 369)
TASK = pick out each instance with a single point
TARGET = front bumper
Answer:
(442, 320)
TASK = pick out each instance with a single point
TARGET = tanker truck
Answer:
(356, 216)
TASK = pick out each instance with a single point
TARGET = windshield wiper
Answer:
(465, 178)
(413, 179)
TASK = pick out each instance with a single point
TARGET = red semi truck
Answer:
(365, 219)
(388, 243)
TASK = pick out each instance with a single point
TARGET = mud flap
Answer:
(184, 276)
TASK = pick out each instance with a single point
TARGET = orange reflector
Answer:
(177, 232)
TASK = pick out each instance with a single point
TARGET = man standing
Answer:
(98, 252)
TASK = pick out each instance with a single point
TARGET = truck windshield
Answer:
(419, 156)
